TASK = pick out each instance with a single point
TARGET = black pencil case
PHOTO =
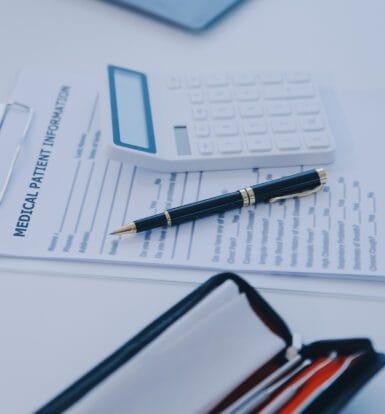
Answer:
(222, 349)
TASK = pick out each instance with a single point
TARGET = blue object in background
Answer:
(190, 14)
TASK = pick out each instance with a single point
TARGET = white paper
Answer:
(84, 196)
(193, 374)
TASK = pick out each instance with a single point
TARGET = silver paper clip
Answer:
(4, 110)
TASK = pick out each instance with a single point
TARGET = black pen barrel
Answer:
(204, 208)
(148, 223)
(192, 211)
(292, 186)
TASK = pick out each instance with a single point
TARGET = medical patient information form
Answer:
(66, 195)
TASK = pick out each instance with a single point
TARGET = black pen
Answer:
(297, 185)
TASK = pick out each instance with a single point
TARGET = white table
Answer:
(53, 326)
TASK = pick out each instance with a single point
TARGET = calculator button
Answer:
(230, 146)
(217, 80)
(275, 92)
(278, 108)
(312, 123)
(255, 126)
(307, 107)
(193, 81)
(222, 112)
(247, 94)
(259, 143)
(223, 129)
(173, 82)
(297, 77)
(288, 142)
(271, 77)
(196, 96)
(283, 125)
(242, 79)
(202, 129)
(300, 91)
(250, 110)
(316, 141)
(219, 95)
(205, 147)
(199, 113)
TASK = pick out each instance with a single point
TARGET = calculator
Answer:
(215, 121)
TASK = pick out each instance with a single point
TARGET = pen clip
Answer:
(296, 195)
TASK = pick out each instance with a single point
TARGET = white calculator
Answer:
(214, 121)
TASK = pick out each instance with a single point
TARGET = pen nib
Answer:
(128, 229)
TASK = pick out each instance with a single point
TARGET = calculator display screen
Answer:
(130, 109)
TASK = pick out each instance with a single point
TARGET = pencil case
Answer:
(222, 349)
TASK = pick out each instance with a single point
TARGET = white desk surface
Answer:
(54, 327)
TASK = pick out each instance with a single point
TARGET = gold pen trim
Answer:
(245, 197)
(168, 218)
(322, 175)
(296, 195)
(250, 193)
